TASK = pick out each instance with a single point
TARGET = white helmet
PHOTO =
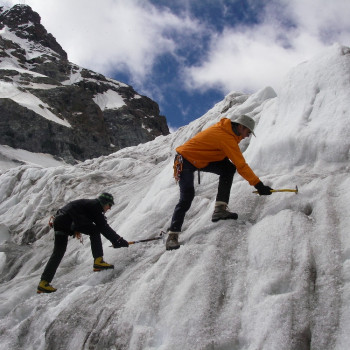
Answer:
(246, 121)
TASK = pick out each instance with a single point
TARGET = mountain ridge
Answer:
(50, 105)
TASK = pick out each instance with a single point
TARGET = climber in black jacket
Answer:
(81, 216)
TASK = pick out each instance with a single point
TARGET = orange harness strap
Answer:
(52, 218)
(178, 165)
(79, 237)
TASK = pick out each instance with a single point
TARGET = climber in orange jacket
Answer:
(213, 150)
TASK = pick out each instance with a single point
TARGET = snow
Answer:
(145, 127)
(117, 83)
(109, 100)
(277, 278)
(9, 64)
(13, 90)
(32, 50)
(75, 77)
(28, 100)
(11, 157)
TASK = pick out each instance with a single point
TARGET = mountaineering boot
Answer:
(172, 241)
(45, 287)
(99, 264)
(221, 212)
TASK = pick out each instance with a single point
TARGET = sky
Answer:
(188, 54)
(278, 278)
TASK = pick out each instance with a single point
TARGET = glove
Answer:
(262, 189)
(121, 242)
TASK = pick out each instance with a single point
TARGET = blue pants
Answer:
(224, 168)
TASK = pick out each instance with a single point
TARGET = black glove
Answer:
(262, 189)
(121, 242)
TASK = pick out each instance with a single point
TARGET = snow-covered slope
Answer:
(12, 157)
(278, 278)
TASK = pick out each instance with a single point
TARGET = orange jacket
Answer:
(214, 144)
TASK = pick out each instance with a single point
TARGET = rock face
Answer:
(50, 105)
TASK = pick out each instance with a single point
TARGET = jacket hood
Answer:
(230, 128)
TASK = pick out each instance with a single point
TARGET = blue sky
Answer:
(188, 54)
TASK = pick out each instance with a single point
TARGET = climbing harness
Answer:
(178, 166)
(79, 237)
(76, 234)
(52, 218)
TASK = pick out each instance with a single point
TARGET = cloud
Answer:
(133, 36)
(327, 20)
(251, 57)
(114, 34)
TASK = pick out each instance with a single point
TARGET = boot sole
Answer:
(46, 291)
(234, 218)
(172, 248)
(97, 269)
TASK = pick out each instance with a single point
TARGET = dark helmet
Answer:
(106, 198)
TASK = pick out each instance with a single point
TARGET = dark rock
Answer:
(25, 23)
(70, 93)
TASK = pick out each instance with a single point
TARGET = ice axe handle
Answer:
(283, 190)
(149, 239)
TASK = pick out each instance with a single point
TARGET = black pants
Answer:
(224, 168)
(59, 250)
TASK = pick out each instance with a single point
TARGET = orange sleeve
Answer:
(234, 153)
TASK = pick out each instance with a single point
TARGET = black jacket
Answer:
(85, 216)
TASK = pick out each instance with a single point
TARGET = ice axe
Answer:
(283, 190)
(161, 236)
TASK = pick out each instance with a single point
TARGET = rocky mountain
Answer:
(50, 105)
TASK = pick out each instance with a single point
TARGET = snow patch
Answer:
(10, 156)
(109, 100)
(28, 100)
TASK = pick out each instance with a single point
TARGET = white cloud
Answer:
(249, 58)
(114, 34)
(131, 35)
(328, 20)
